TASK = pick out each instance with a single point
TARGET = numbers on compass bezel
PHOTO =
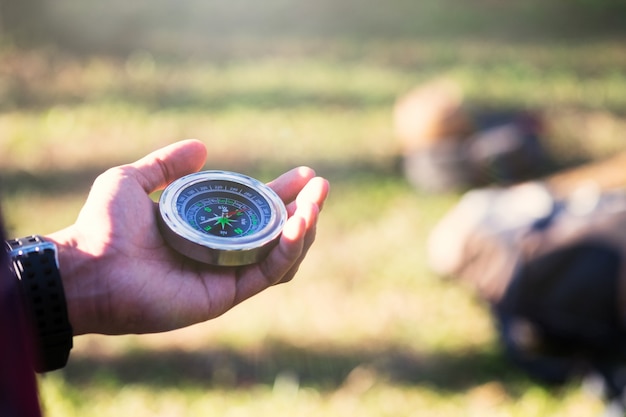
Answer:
(223, 209)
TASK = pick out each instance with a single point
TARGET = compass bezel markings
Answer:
(201, 195)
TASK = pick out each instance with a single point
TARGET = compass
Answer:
(221, 217)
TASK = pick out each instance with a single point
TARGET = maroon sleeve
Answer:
(18, 384)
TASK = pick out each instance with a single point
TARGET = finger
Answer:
(308, 205)
(298, 235)
(309, 238)
(314, 192)
(163, 166)
(280, 260)
(289, 184)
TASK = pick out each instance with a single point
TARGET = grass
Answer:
(366, 329)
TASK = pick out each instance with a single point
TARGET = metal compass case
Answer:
(221, 218)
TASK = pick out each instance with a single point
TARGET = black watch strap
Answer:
(35, 263)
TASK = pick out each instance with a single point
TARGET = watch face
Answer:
(221, 218)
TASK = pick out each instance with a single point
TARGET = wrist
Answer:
(75, 267)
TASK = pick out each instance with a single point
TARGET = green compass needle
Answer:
(224, 221)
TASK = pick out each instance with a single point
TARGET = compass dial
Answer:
(221, 218)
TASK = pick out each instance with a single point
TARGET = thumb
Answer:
(164, 165)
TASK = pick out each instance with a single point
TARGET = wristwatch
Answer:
(35, 263)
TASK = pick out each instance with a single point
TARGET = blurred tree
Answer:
(600, 16)
(601, 4)
(22, 20)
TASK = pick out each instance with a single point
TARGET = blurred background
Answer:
(367, 329)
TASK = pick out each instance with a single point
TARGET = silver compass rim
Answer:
(211, 249)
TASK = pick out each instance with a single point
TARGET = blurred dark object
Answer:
(23, 21)
(553, 271)
(447, 144)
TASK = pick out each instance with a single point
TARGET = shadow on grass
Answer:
(25, 96)
(79, 180)
(49, 182)
(166, 24)
(325, 370)
(365, 171)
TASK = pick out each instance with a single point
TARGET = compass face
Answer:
(224, 209)
(221, 218)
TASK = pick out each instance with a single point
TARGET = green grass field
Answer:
(366, 329)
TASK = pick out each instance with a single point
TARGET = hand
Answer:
(121, 277)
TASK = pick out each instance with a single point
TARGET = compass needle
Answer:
(224, 221)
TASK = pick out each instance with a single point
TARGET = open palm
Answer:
(121, 277)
